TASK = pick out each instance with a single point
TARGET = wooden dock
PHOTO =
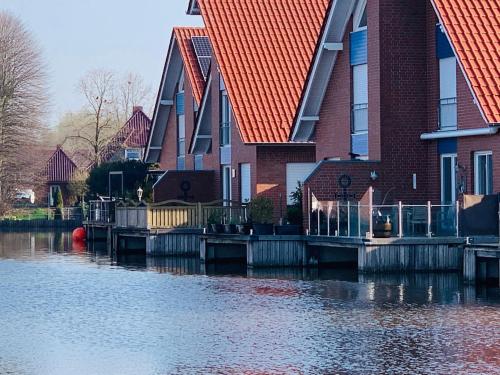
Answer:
(482, 263)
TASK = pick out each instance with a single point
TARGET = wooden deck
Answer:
(482, 263)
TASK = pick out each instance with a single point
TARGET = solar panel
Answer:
(203, 51)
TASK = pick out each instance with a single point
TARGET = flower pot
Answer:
(230, 229)
(217, 228)
(382, 230)
(244, 229)
(287, 230)
(263, 229)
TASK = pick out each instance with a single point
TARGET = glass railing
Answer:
(353, 219)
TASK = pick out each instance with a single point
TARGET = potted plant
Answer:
(261, 213)
(230, 228)
(293, 223)
(382, 227)
(214, 222)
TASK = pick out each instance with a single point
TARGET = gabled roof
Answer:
(134, 134)
(60, 167)
(473, 29)
(264, 50)
(192, 67)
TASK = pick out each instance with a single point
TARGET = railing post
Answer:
(338, 218)
(309, 208)
(400, 219)
(348, 219)
(319, 226)
(457, 208)
(370, 213)
(359, 218)
(328, 211)
(429, 218)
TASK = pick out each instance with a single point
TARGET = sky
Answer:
(119, 35)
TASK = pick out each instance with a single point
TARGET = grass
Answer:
(26, 214)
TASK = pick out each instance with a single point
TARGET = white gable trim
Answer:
(324, 62)
(164, 102)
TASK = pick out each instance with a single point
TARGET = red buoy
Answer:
(79, 234)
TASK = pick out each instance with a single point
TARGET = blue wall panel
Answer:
(443, 47)
(359, 47)
(179, 104)
(447, 146)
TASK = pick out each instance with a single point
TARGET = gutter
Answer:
(460, 133)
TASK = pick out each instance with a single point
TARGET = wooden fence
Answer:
(178, 214)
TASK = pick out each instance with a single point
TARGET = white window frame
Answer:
(477, 155)
(133, 150)
(453, 176)
(226, 190)
(358, 14)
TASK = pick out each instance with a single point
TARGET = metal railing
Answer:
(101, 212)
(448, 113)
(353, 219)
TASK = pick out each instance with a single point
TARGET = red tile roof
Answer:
(134, 134)
(473, 27)
(264, 50)
(193, 70)
(59, 167)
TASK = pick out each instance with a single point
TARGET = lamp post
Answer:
(139, 194)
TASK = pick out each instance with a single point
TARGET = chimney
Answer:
(136, 109)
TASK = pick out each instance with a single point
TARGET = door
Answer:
(296, 173)
(245, 183)
(448, 178)
(226, 184)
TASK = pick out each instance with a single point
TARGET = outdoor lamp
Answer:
(139, 193)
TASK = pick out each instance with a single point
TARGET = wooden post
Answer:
(400, 219)
(429, 218)
(309, 208)
(199, 215)
(328, 219)
(318, 224)
(457, 208)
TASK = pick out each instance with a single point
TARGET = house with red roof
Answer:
(130, 141)
(399, 95)
(58, 171)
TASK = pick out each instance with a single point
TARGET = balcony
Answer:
(448, 114)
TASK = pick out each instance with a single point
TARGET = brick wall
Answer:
(189, 186)
(271, 171)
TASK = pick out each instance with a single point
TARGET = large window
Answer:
(483, 173)
(448, 93)
(225, 119)
(181, 126)
(132, 154)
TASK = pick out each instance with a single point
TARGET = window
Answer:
(359, 116)
(448, 178)
(132, 154)
(448, 93)
(181, 126)
(226, 185)
(225, 119)
(483, 173)
(198, 162)
(245, 183)
(52, 194)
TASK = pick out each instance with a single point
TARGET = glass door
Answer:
(448, 178)
(226, 184)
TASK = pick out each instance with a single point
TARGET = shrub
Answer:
(261, 210)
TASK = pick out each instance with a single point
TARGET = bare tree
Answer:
(131, 91)
(98, 89)
(22, 104)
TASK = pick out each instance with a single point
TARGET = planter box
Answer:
(244, 229)
(230, 229)
(288, 230)
(263, 229)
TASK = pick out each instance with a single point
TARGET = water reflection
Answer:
(68, 310)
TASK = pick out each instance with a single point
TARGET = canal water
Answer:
(68, 310)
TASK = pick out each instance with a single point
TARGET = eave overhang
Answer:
(327, 50)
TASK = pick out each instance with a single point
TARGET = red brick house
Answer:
(130, 141)
(400, 95)
(58, 171)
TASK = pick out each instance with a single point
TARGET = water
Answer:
(65, 311)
